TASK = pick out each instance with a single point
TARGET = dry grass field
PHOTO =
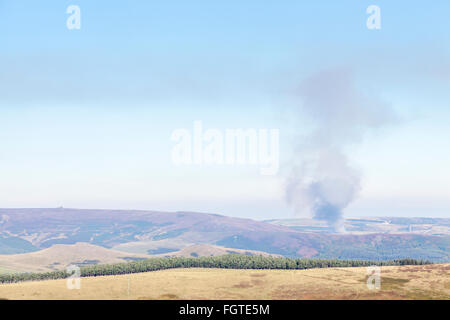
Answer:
(407, 282)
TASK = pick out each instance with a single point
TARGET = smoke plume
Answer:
(322, 181)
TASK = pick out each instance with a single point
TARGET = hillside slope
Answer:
(206, 250)
(152, 232)
(405, 282)
(59, 257)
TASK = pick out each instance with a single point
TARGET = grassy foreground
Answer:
(397, 282)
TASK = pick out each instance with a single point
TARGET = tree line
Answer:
(232, 261)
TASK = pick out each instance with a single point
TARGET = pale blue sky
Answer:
(86, 115)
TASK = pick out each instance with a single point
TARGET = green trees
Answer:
(232, 261)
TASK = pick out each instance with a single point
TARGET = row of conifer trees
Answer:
(232, 261)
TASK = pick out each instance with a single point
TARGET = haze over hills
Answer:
(165, 233)
(368, 225)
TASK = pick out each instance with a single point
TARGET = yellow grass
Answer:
(408, 282)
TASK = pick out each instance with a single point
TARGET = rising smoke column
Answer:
(322, 182)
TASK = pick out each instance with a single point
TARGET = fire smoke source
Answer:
(322, 182)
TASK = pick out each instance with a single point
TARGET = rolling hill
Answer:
(206, 250)
(164, 233)
(60, 256)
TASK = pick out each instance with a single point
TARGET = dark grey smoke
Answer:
(322, 182)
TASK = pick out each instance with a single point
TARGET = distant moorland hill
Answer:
(165, 233)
